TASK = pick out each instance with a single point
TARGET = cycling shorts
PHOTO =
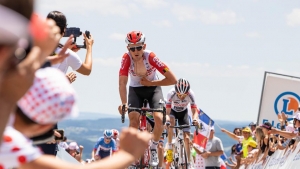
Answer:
(137, 95)
(103, 154)
(182, 117)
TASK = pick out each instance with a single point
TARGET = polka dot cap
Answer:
(16, 149)
(50, 99)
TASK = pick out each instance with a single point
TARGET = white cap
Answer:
(73, 146)
(297, 116)
(212, 128)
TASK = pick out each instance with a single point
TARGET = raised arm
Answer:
(230, 134)
(285, 134)
(86, 67)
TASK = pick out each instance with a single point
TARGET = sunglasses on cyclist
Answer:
(138, 48)
(181, 95)
(107, 138)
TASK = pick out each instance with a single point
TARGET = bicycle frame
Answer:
(143, 126)
(180, 157)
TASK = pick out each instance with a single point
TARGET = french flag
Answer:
(204, 129)
(223, 159)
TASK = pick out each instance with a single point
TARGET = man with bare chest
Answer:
(141, 65)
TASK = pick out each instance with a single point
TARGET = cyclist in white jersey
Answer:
(141, 65)
(116, 137)
(178, 99)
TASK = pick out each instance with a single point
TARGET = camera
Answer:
(76, 33)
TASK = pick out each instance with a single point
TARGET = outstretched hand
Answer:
(134, 142)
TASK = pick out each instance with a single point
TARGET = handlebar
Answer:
(180, 127)
(144, 109)
(123, 113)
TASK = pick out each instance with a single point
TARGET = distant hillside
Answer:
(86, 132)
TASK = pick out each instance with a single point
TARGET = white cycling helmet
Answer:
(182, 86)
(108, 133)
(115, 132)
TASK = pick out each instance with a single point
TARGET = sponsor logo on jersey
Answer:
(158, 62)
(165, 70)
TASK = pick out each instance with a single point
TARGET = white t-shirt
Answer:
(72, 60)
(16, 149)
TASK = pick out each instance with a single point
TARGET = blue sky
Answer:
(222, 47)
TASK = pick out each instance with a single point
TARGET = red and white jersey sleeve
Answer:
(159, 65)
(180, 105)
(125, 64)
(16, 149)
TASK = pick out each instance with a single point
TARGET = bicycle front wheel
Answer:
(184, 157)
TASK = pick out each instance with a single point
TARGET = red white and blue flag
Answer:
(201, 139)
(204, 129)
(223, 159)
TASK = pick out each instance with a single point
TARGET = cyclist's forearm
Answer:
(195, 113)
(163, 82)
(168, 111)
(123, 93)
(93, 153)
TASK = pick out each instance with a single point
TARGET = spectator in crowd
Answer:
(72, 148)
(266, 127)
(214, 149)
(252, 152)
(252, 126)
(13, 28)
(232, 158)
(262, 141)
(73, 60)
(247, 136)
(237, 131)
(63, 144)
(78, 155)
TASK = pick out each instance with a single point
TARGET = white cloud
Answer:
(111, 7)
(218, 18)
(117, 36)
(163, 23)
(252, 35)
(151, 4)
(207, 17)
(293, 19)
(184, 12)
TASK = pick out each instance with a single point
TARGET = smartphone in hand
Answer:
(61, 132)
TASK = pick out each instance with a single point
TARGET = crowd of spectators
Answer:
(255, 144)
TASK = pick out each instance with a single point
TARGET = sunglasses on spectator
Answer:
(138, 48)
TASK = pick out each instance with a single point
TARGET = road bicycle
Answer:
(144, 160)
(180, 159)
